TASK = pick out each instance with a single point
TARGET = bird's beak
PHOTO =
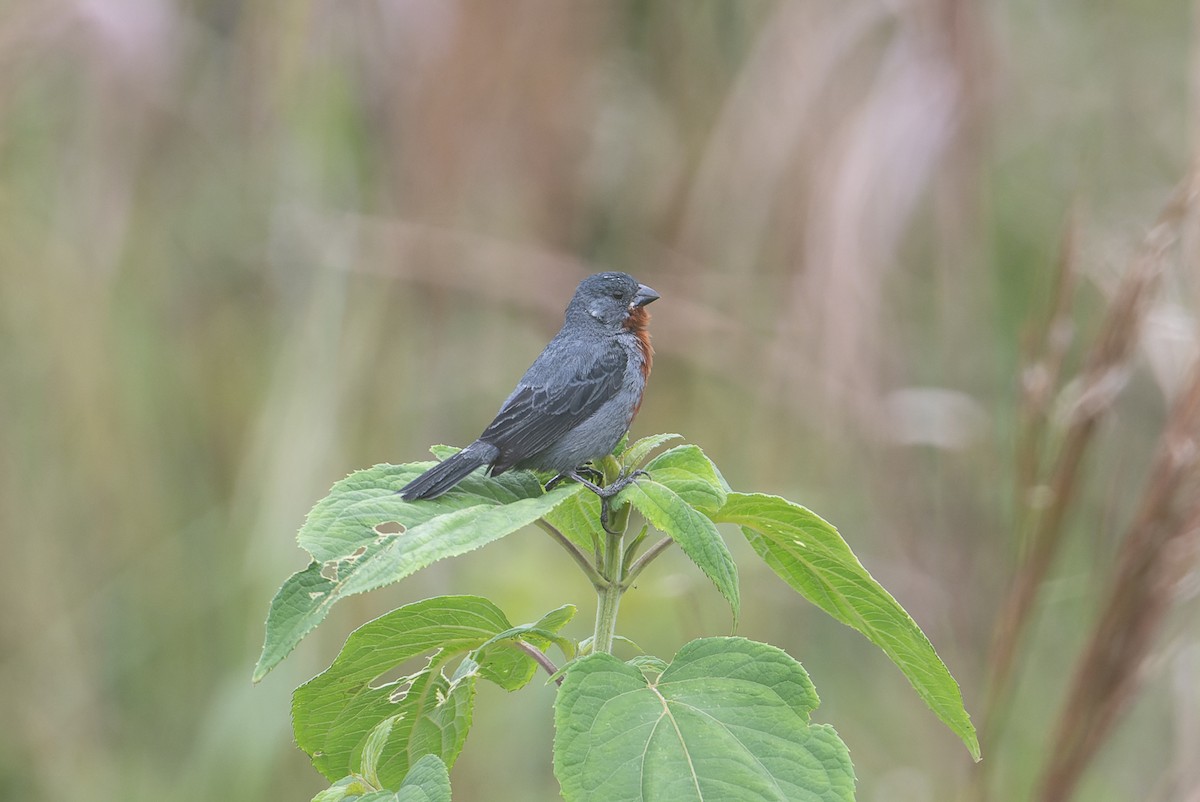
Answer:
(644, 296)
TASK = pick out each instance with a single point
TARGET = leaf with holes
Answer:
(336, 714)
(363, 536)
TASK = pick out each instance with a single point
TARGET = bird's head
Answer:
(610, 299)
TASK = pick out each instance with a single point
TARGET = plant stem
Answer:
(540, 658)
(608, 595)
(641, 562)
(576, 553)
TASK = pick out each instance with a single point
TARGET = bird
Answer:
(574, 403)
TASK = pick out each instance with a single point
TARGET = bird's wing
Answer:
(535, 416)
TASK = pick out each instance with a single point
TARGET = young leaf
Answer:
(648, 663)
(696, 535)
(373, 749)
(689, 472)
(509, 667)
(348, 787)
(810, 555)
(636, 453)
(427, 781)
(353, 550)
(334, 714)
(727, 721)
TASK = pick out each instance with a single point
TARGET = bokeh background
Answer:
(246, 248)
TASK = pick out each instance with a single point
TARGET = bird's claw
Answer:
(594, 475)
(623, 481)
(605, 494)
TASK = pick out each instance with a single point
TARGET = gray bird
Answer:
(576, 400)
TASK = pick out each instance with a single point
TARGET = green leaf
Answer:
(502, 662)
(290, 617)
(690, 474)
(727, 721)
(363, 536)
(335, 713)
(810, 555)
(444, 453)
(347, 787)
(684, 469)
(373, 749)
(427, 781)
(696, 535)
(648, 663)
(578, 518)
(636, 453)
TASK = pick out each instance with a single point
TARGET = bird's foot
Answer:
(604, 493)
(594, 474)
(623, 481)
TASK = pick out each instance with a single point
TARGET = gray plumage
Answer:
(577, 399)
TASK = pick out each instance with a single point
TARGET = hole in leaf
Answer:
(360, 551)
(401, 690)
(389, 528)
(401, 675)
(330, 571)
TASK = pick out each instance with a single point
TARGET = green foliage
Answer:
(427, 781)
(343, 718)
(727, 719)
(810, 555)
(355, 550)
(677, 497)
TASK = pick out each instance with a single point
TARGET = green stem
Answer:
(576, 553)
(640, 564)
(608, 595)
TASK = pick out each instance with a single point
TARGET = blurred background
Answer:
(247, 248)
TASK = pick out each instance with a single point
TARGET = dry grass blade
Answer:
(1160, 547)
(1044, 353)
(1104, 375)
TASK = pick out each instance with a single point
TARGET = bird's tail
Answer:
(449, 472)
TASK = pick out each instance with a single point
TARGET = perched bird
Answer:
(577, 399)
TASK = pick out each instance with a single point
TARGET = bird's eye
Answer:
(617, 294)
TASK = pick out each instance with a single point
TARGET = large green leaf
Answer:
(363, 536)
(727, 721)
(810, 555)
(336, 714)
